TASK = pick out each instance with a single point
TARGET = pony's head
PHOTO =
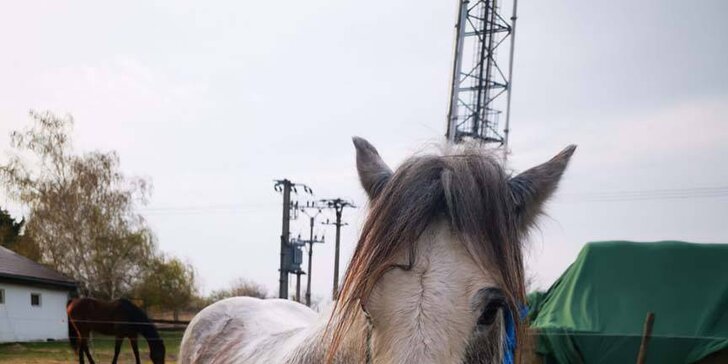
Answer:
(146, 327)
(157, 354)
(438, 268)
(156, 351)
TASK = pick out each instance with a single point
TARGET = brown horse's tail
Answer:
(72, 333)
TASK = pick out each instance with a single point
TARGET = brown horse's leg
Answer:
(88, 353)
(79, 349)
(134, 347)
(117, 348)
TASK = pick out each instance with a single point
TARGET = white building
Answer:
(32, 300)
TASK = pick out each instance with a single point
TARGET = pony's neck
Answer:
(152, 336)
(313, 343)
(149, 331)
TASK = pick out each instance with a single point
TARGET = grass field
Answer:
(102, 350)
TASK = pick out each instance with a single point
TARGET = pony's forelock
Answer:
(469, 188)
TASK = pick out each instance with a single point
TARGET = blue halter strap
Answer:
(509, 350)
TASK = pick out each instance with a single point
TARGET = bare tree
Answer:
(239, 287)
(169, 283)
(81, 207)
(244, 287)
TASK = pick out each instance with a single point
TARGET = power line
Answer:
(651, 194)
(606, 196)
(188, 209)
(211, 208)
(206, 206)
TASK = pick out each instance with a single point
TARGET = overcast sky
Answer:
(213, 101)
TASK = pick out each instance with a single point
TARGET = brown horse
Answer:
(119, 318)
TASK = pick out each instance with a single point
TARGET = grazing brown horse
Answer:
(119, 318)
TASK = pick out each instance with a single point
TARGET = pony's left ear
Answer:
(530, 189)
(373, 172)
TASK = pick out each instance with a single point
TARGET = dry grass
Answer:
(103, 351)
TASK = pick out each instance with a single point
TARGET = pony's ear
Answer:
(373, 172)
(530, 189)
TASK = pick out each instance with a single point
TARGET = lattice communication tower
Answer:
(481, 87)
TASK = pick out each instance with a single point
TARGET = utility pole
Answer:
(338, 205)
(294, 265)
(310, 258)
(285, 186)
(311, 240)
(298, 286)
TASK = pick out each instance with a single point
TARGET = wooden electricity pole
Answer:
(285, 186)
(298, 286)
(311, 240)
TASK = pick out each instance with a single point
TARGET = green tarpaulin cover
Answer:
(595, 312)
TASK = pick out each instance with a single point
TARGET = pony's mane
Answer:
(467, 187)
(136, 314)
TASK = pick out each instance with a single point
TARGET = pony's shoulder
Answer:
(123, 302)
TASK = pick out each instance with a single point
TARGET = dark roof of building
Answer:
(19, 268)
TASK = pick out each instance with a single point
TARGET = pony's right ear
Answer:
(373, 172)
(530, 189)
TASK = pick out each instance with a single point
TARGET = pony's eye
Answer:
(494, 301)
(487, 317)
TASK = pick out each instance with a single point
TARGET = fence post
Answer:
(646, 334)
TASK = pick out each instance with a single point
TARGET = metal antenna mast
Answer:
(312, 239)
(338, 205)
(477, 100)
